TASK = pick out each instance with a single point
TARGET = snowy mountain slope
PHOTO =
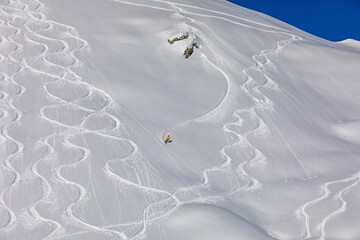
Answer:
(263, 119)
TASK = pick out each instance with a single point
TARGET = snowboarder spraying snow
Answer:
(167, 140)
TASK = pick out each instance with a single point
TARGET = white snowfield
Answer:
(264, 121)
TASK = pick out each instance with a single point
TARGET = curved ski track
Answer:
(14, 116)
(32, 14)
(318, 231)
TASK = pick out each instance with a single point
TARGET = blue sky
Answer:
(334, 20)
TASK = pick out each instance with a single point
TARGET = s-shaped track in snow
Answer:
(68, 108)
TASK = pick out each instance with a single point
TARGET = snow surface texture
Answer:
(264, 120)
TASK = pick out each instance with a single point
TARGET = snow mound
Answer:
(351, 43)
(348, 131)
(203, 221)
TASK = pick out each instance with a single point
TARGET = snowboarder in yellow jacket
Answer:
(167, 139)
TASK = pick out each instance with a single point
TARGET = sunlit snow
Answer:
(264, 121)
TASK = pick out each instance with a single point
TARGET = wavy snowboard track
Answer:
(4, 131)
(319, 230)
(66, 134)
(262, 103)
(81, 129)
(46, 189)
(31, 209)
(354, 180)
(12, 217)
(71, 131)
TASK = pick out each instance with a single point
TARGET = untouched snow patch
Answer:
(203, 221)
(348, 131)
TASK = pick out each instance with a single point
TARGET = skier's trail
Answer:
(15, 115)
(318, 231)
(21, 14)
(72, 130)
(66, 134)
(262, 103)
(355, 179)
(32, 16)
(46, 188)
